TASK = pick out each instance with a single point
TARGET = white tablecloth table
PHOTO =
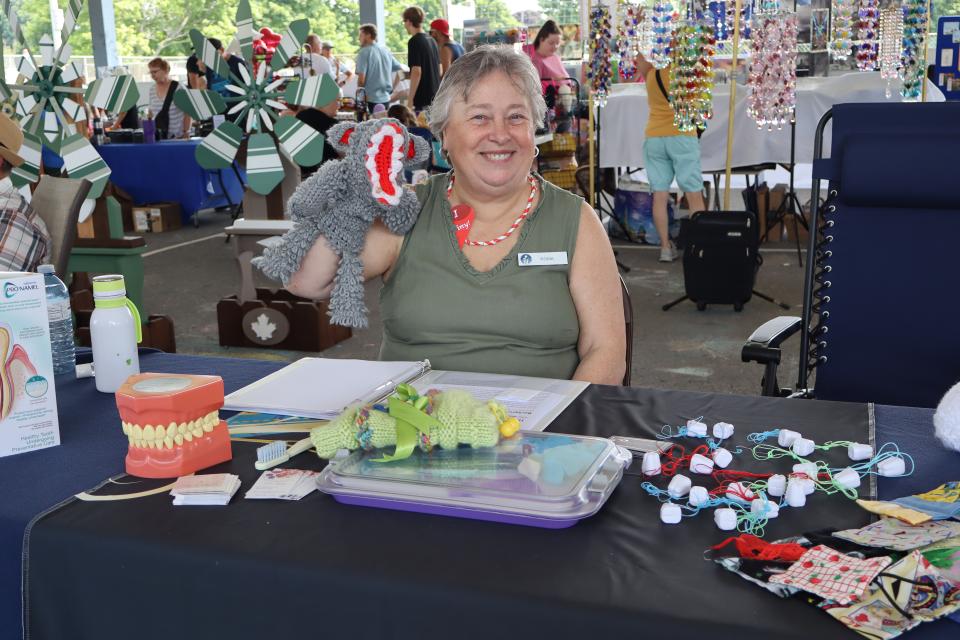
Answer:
(624, 117)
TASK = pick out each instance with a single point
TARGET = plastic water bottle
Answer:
(114, 333)
(60, 318)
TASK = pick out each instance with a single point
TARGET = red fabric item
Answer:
(753, 548)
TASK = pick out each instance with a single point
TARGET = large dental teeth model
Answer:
(172, 424)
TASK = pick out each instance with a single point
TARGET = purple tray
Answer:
(457, 512)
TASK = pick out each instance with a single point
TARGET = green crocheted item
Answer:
(461, 420)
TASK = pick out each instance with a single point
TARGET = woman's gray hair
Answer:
(471, 67)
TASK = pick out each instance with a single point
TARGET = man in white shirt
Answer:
(314, 63)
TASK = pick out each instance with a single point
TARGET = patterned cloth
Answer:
(831, 574)
(891, 533)
(941, 503)
(24, 240)
(912, 586)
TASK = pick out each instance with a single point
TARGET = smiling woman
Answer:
(525, 283)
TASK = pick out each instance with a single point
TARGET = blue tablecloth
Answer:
(93, 448)
(168, 171)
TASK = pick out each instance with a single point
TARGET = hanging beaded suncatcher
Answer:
(891, 34)
(661, 32)
(599, 72)
(911, 62)
(691, 76)
(629, 37)
(867, 34)
(841, 37)
(773, 69)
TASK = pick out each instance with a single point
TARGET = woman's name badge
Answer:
(541, 259)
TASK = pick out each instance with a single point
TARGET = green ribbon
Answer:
(411, 420)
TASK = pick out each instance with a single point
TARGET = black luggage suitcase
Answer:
(720, 258)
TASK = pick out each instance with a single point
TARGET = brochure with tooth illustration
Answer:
(28, 402)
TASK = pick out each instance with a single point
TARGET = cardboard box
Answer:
(28, 399)
(157, 217)
(102, 224)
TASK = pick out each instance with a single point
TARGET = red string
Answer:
(752, 547)
(724, 477)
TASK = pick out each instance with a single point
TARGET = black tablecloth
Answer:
(255, 569)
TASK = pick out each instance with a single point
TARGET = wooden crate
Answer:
(277, 320)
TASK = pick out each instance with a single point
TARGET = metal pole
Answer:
(592, 159)
(733, 103)
(923, 41)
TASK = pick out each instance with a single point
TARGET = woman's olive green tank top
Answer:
(518, 318)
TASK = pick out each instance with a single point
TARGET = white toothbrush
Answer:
(277, 452)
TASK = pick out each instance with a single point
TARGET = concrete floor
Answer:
(190, 269)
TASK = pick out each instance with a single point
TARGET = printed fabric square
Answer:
(940, 503)
(891, 533)
(907, 593)
(830, 574)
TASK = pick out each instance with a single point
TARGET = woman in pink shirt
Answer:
(543, 53)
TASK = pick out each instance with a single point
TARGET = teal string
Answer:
(759, 436)
(888, 450)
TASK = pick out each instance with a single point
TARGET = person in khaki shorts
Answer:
(668, 153)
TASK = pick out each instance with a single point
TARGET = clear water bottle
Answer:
(60, 317)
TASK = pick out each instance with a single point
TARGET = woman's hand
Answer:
(315, 277)
(595, 287)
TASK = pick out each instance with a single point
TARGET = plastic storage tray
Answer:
(535, 479)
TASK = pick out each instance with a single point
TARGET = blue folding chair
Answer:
(882, 291)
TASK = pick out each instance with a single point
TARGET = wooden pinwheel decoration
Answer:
(48, 107)
(253, 111)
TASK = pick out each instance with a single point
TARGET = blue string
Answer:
(667, 432)
(759, 436)
(888, 450)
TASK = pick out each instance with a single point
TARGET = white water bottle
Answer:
(114, 333)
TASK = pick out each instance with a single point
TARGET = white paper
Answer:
(283, 484)
(322, 387)
(946, 58)
(535, 402)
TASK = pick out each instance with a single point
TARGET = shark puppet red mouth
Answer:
(385, 154)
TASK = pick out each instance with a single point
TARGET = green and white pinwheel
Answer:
(254, 108)
(49, 111)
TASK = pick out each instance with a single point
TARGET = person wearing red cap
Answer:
(450, 49)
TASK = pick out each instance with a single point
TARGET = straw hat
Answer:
(11, 137)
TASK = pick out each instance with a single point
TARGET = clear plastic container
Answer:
(536, 479)
(60, 318)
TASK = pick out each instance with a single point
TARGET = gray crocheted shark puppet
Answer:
(340, 202)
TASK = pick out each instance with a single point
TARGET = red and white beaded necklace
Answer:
(516, 223)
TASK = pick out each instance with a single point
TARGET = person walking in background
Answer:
(450, 49)
(171, 121)
(668, 153)
(424, 60)
(316, 63)
(340, 72)
(375, 68)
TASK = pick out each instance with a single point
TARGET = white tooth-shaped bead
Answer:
(161, 432)
(149, 433)
(188, 436)
(178, 439)
(168, 441)
(137, 432)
